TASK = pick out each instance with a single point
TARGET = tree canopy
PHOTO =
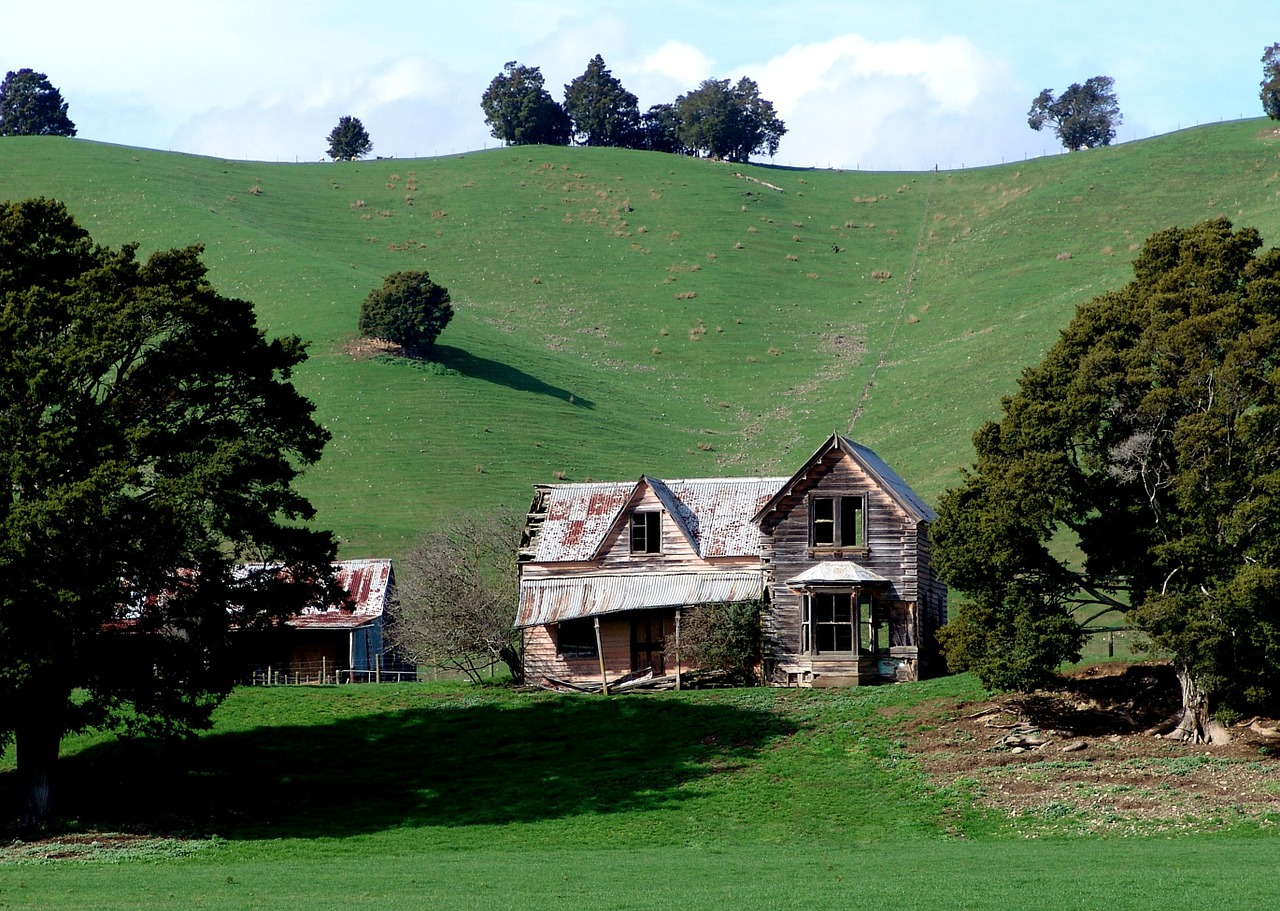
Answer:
(602, 112)
(30, 106)
(409, 309)
(1083, 116)
(729, 121)
(1136, 470)
(1270, 92)
(150, 437)
(520, 111)
(660, 130)
(349, 141)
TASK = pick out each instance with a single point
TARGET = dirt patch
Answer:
(362, 349)
(96, 847)
(1085, 758)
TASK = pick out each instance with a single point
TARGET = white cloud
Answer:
(678, 61)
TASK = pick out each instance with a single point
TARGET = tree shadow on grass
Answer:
(446, 358)
(448, 764)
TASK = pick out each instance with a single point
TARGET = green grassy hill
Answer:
(621, 312)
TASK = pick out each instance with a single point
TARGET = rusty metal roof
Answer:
(578, 517)
(714, 514)
(368, 585)
(568, 598)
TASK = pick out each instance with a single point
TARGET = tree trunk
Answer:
(37, 735)
(1196, 726)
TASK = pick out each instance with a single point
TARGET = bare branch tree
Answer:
(457, 592)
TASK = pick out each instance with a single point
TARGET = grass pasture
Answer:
(622, 312)
(451, 796)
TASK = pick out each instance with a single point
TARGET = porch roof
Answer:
(830, 573)
(555, 599)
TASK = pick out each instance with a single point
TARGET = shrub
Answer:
(723, 637)
(409, 309)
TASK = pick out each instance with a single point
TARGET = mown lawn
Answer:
(449, 796)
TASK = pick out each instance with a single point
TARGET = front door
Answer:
(647, 642)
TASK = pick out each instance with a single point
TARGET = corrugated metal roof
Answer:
(714, 514)
(556, 599)
(366, 582)
(578, 517)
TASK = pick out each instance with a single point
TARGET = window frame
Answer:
(822, 623)
(832, 521)
(645, 525)
(580, 646)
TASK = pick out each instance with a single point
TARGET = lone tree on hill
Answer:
(603, 113)
(519, 111)
(729, 121)
(1084, 116)
(349, 141)
(457, 596)
(1271, 81)
(149, 441)
(30, 106)
(1145, 442)
(409, 309)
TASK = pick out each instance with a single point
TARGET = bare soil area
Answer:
(1088, 757)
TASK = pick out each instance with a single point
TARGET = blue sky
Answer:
(878, 85)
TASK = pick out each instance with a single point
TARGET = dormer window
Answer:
(646, 532)
(837, 522)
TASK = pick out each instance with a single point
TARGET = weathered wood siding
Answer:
(895, 544)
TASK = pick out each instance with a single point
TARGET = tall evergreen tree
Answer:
(603, 113)
(1270, 92)
(1136, 470)
(729, 121)
(30, 106)
(520, 111)
(349, 141)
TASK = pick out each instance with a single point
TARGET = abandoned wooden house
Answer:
(838, 554)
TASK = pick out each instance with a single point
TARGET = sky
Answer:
(879, 85)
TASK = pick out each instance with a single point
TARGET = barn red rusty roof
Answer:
(578, 517)
(367, 584)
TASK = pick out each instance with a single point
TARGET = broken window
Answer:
(576, 638)
(836, 522)
(842, 622)
(646, 532)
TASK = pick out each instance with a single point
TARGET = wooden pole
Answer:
(604, 680)
(677, 648)
(324, 669)
(377, 668)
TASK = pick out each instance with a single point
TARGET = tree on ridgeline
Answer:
(660, 130)
(1271, 82)
(1083, 116)
(30, 106)
(349, 141)
(150, 438)
(457, 596)
(729, 121)
(520, 111)
(409, 309)
(1136, 471)
(602, 112)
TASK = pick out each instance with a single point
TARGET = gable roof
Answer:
(368, 584)
(910, 501)
(713, 514)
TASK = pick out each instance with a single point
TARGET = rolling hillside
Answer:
(620, 312)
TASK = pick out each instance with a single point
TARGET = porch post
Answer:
(677, 648)
(604, 680)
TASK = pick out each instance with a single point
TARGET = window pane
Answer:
(851, 521)
(824, 521)
(842, 610)
(843, 637)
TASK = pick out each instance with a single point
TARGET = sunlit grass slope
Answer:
(621, 312)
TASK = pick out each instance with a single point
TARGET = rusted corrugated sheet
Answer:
(714, 513)
(578, 517)
(719, 512)
(555, 599)
(367, 583)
